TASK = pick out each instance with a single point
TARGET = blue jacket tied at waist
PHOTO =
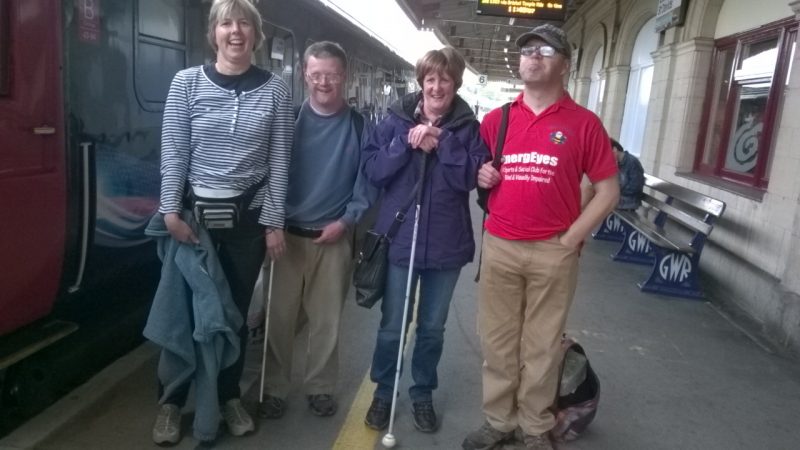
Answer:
(194, 320)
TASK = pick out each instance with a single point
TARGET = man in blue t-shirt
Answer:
(327, 197)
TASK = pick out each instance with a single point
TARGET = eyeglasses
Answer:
(542, 50)
(318, 78)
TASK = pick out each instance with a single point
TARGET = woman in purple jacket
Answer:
(440, 126)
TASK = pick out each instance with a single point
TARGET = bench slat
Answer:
(682, 217)
(702, 202)
(655, 234)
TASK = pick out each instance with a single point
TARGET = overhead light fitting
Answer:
(506, 58)
(508, 37)
(511, 21)
(505, 50)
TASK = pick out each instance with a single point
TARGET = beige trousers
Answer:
(526, 289)
(309, 286)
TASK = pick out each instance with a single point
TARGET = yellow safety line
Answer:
(354, 435)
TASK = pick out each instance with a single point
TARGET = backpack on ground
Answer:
(579, 393)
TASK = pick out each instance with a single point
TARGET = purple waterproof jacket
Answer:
(444, 239)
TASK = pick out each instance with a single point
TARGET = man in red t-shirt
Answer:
(533, 236)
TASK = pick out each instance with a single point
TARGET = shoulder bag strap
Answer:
(400, 216)
(496, 162)
(501, 137)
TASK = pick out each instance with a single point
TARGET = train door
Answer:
(32, 197)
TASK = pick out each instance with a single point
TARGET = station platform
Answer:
(674, 374)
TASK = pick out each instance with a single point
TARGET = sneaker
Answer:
(537, 442)
(167, 429)
(322, 404)
(378, 414)
(485, 438)
(272, 407)
(424, 417)
(236, 417)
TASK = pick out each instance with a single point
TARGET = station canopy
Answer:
(484, 31)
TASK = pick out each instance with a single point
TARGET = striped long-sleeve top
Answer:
(217, 140)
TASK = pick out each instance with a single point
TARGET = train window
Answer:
(162, 19)
(286, 64)
(156, 65)
(5, 43)
(299, 89)
(160, 49)
(277, 54)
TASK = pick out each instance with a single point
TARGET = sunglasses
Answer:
(541, 50)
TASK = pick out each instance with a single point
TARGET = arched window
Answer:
(634, 118)
(598, 83)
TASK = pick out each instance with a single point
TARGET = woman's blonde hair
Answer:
(222, 9)
(446, 60)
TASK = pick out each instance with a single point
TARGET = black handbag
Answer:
(369, 276)
(372, 262)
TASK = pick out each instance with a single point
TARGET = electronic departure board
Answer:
(523, 9)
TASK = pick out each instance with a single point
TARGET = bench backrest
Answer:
(706, 208)
(700, 201)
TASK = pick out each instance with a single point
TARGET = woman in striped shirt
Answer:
(227, 133)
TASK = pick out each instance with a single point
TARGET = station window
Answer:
(160, 49)
(748, 78)
(5, 43)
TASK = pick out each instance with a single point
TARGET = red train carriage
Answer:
(82, 86)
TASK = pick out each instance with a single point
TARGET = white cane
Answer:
(266, 330)
(389, 440)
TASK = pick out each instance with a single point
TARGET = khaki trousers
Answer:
(309, 286)
(526, 289)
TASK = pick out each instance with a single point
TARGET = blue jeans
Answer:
(436, 290)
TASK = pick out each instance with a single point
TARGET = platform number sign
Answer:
(483, 79)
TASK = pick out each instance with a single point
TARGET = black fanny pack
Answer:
(219, 213)
(216, 213)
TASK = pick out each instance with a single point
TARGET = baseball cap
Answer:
(550, 34)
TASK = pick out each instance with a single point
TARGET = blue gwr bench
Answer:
(667, 232)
